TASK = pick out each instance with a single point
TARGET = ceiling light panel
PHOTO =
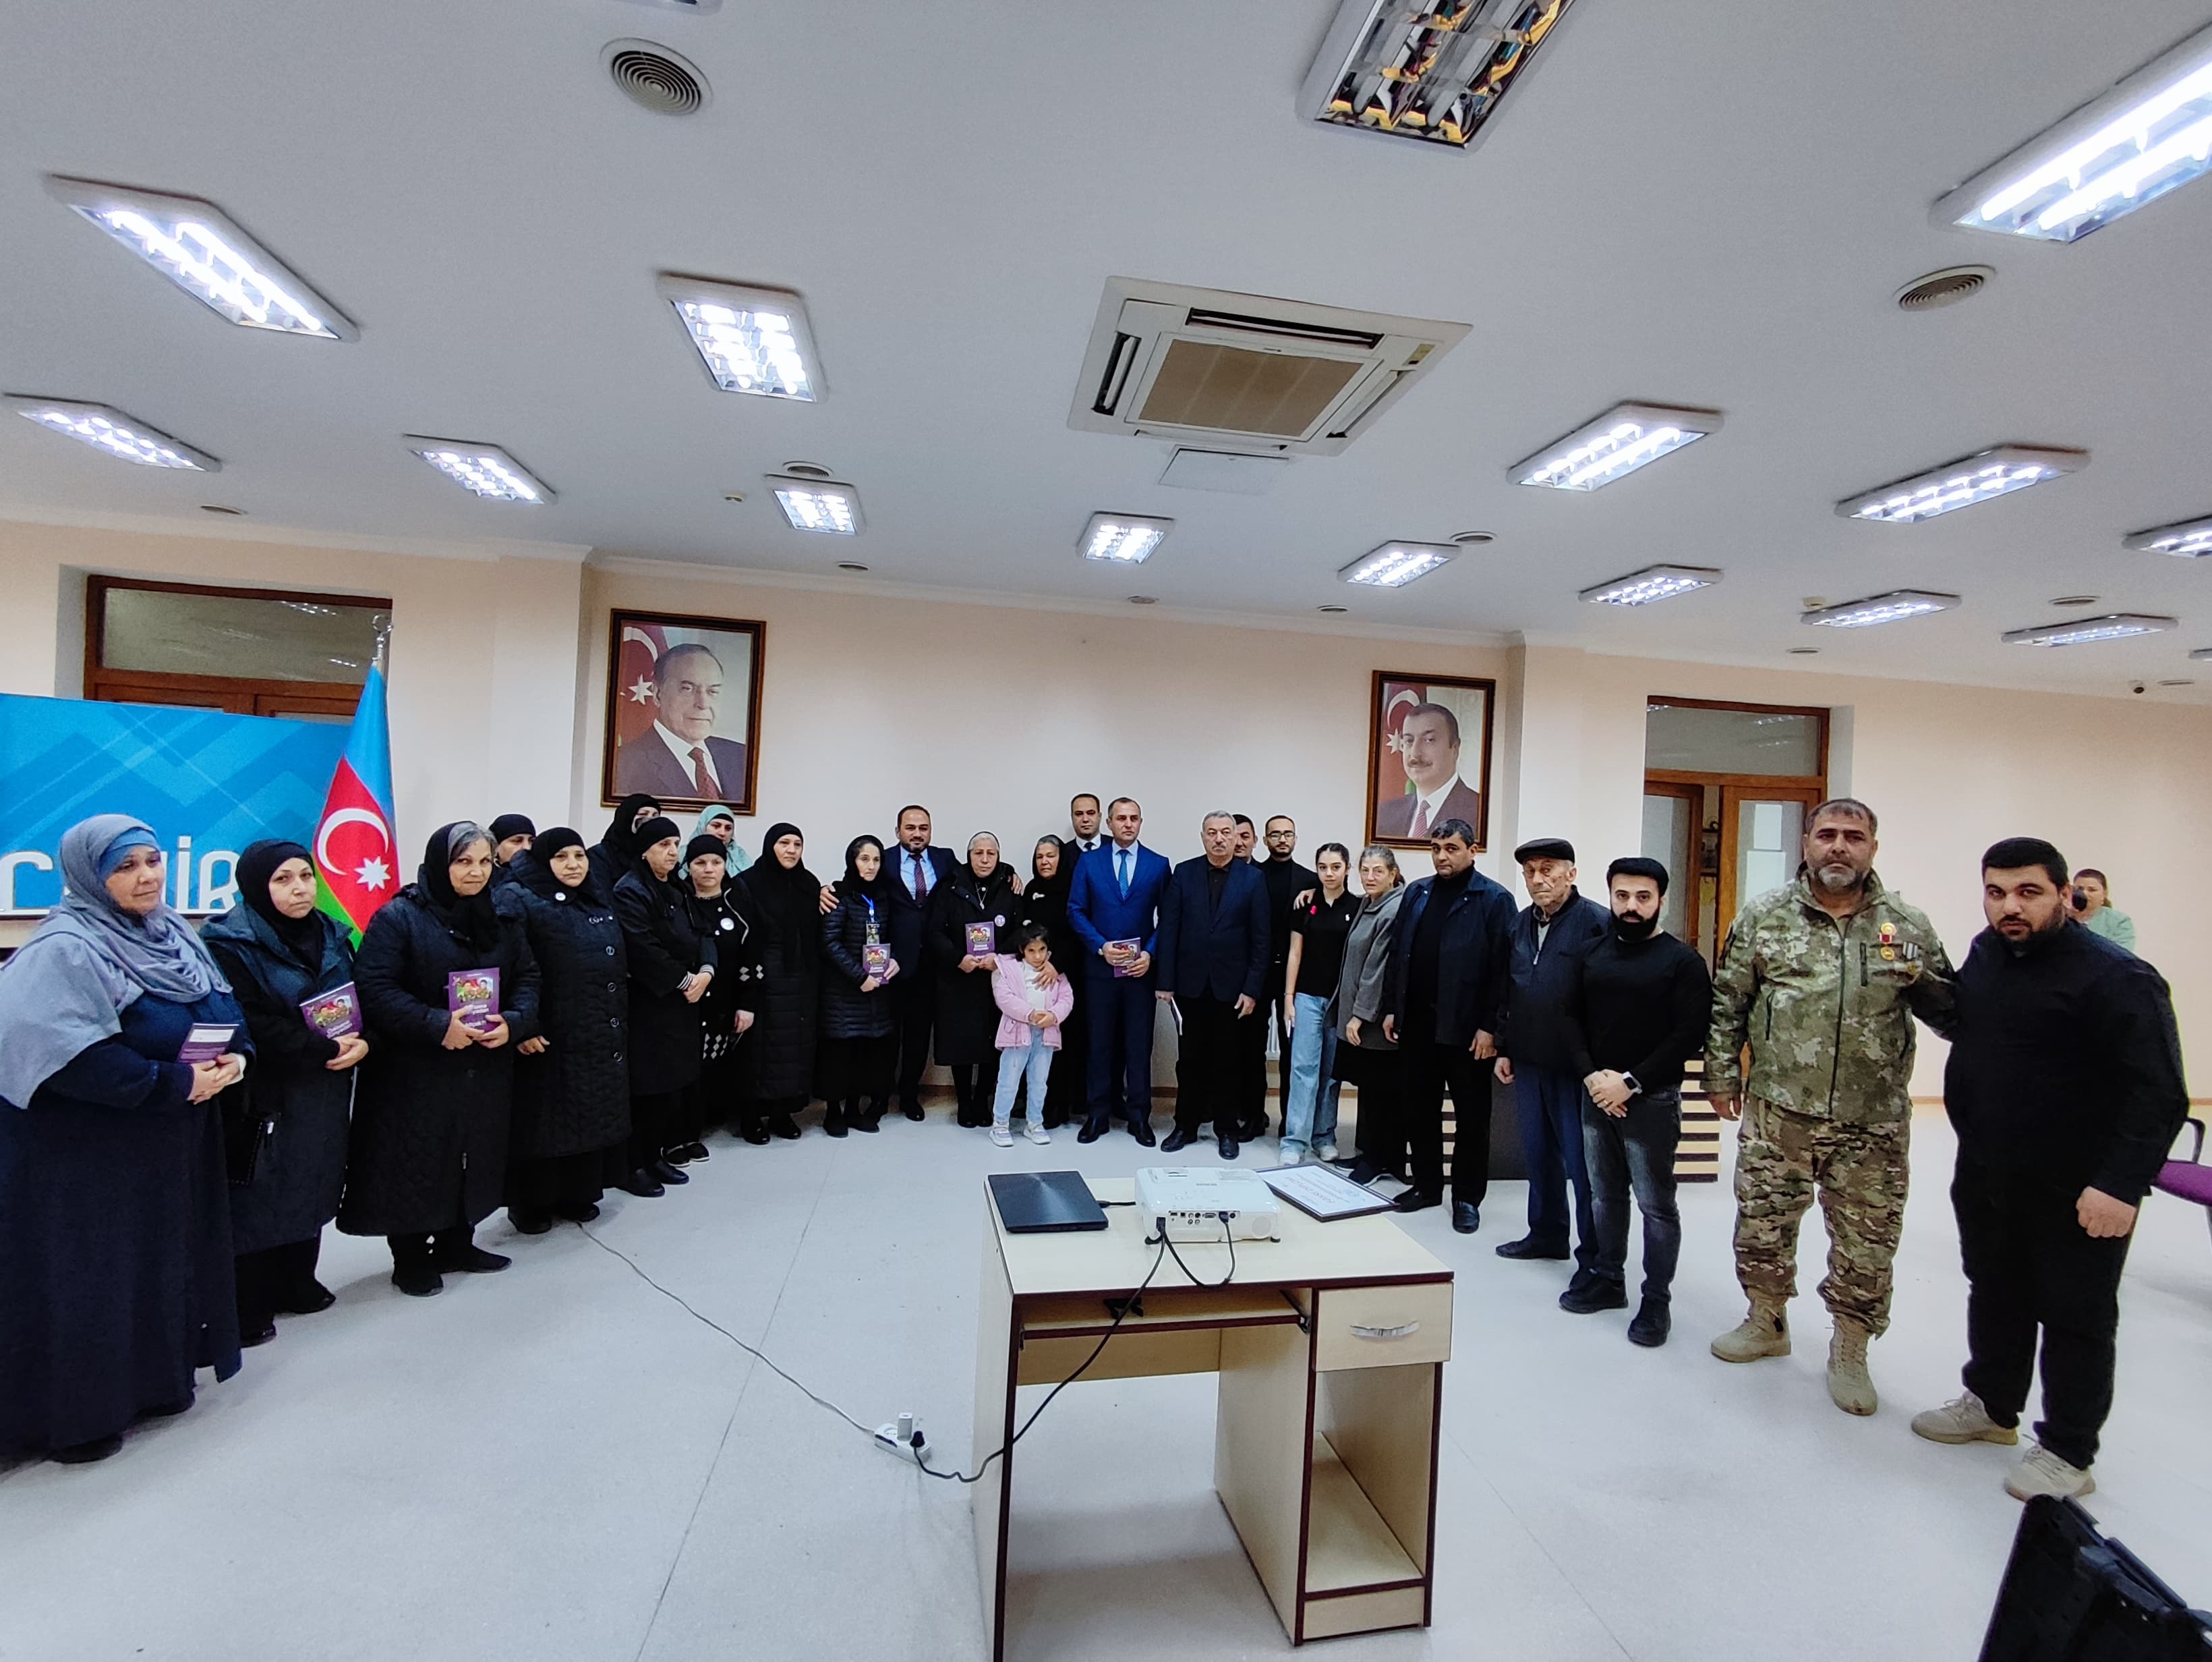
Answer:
(483, 469)
(112, 432)
(820, 505)
(201, 249)
(2080, 631)
(2191, 539)
(750, 340)
(1395, 564)
(1626, 437)
(1434, 70)
(1122, 539)
(2152, 133)
(1980, 478)
(1654, 582)
(1894, 607)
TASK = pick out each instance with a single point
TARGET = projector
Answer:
(1189, 1205)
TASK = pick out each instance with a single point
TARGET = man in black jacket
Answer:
(1535, 1054)
(914, 868)
(1638, 1011)
(1286, 879)
(1212, 959)
(1445, 996)
(2064, 1085)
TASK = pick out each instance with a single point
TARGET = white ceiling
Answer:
(1698, 202)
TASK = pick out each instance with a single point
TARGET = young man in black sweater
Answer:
(1637, 1012)
(2064, 1085)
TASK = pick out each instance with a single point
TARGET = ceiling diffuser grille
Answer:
(657, 78)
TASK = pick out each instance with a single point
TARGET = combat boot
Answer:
(1764, 1332)
(1849, 1383)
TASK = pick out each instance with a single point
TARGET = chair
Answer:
(2190, 1178)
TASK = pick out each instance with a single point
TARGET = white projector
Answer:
(1215, 1203)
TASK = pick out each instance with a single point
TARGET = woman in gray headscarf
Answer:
(115, 1255)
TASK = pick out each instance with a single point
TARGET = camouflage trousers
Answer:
(1859, 1172)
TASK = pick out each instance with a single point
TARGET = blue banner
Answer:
(208, 782)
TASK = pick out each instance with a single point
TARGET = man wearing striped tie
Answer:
(1428, 748)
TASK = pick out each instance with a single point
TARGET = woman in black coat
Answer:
(570, 1137)
(427, 1160)
(860, 1041)
(278, 952)
(671, 964)
(614, 856)
(979, 895)
(726, 1011)
(775, 1064)
(1052, 874)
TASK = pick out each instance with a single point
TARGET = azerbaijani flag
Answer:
(353, 854)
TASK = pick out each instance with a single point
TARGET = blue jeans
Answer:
(1035, 1063)
(1311, 1116)
(1635, 1154)
(1550, 1102)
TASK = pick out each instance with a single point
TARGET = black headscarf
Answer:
(659, 829)
(852, 886)
(511, 824)
(1056, 887)
(706, 843)
(473, 916)
(302, 937)
(789, 902)
(533, 868)
(620, 840)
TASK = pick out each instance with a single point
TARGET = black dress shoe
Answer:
(1226, 1147)
(1467, 1217)
(247, 1339)
(914, 1110)
(471, 1259)
(1143, 1135)
(1414, 1201)
(1177, 1141)
(1529, 1247)
(527, 1222)
(1596, 1296)
(868, 1123)
(784, 1127)
(418, 1280)
(583, 1214)
(834, 1124)
(1650, 1325)
(83, 1454)
(643, 1185)
(314, 1297)
(669, 1175)
(754, 1133)
(1090, 1133)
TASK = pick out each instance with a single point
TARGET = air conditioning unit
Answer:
(1244, 372)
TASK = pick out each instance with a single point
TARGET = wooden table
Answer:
(1330, 1343)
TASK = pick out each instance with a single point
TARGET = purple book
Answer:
(1122, 971)
(875, 958)
(334, 1014)
(207, 1042)
(982, 940)
(473, 996)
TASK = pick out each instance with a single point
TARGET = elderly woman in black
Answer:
(967, 927)
(428, 1160)
(859, 1041)
(570, 1135)
(1044, 902)
(615, 855)
(671, 964)
(278, 952)
(115, 1261)
(726, 1011)
(775, 1064)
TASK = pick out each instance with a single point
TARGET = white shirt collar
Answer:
(682, 752)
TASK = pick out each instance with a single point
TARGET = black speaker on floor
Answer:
(2072, 1594)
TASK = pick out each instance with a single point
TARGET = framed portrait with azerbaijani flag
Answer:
(1428, 756)
(682, 721)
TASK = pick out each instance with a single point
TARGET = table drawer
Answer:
(1381, 1326)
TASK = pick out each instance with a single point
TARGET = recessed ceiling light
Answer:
(2190, 539)
(2080, 631)
(216, 508)
(1144, 600)
(2201, 655)
(201, 249)
(1122, 539)
(2077, 599)
(1395, 564)
(2177, 681)
(1980, 478)
(818, 505)
(1654, 582)
(110, 430)
(1804, 652)
(850, 565)
(484, 469)
(750, 340)
(1433, 72)
(733, 495)
(1472, 539)
(2149, 134)
(1332, 609)
(1891, 608)
(806, 469)
(1626, 437)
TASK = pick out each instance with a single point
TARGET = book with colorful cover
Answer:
(207, 1042)
(982, 939)
(876, 958)
(334, 1014)
(473, 996)
(1122, 970)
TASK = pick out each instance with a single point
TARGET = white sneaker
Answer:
(1002, 1136)
(1293, 1154)
(1035, 1131)
(1324, 1151)
(2042, 1472)
(1962, 1420)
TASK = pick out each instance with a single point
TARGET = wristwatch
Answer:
(1635, 1089)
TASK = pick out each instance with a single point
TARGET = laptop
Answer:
(1038, 1203)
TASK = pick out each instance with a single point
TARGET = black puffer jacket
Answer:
(967, 1014)
(572, 1097)
(665, 944)
(847, 1011)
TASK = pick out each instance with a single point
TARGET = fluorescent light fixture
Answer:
(485, 469)
(110, 430)
(1429, 70)
(1894, 607)
(204, 252)
(2201, 655)
(1626, 437)
(2149, 134)
(2080, 631)
(1122, 539)
(2191, 539)
(1654, 582)
(752, 340)
(1395, 564)
(1980, 478)
(818, 505)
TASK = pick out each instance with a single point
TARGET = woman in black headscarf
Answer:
(671, 964)
(775, 1064)
(726, 1011)
(1052, 874)
(973, 915)
(570, 1130)
(615, 855)
(278, 952)
(860, 1040)
(428, 1160)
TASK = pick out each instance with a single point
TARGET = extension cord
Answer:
(902, 1437)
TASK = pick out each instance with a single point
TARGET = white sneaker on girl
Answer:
(1035, 1132)
(1002, 1136)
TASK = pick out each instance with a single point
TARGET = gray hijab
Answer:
(65, 989)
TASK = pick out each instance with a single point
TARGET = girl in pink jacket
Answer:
(1031, 1011)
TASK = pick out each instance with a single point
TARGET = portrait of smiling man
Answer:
(681, 757)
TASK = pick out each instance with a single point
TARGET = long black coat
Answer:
(727, 920)
(967, 1014)
(301, 1171)
(572, 1097)
(430, 1125)
(775, 1060)
(665, 944)
(847, 1011)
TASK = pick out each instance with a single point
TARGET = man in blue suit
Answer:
(1215, 938)
(1114, 907)
(915, 867)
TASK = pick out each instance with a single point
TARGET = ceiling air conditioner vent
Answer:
(1279, 376)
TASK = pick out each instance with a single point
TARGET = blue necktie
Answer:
(1122, 856)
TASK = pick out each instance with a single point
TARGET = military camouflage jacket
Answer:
(1826, 1004)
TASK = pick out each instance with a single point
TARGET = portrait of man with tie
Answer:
(682, 704)
(1429, 756)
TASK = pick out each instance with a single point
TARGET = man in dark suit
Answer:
(1086, 832)
(679, 756)
(1114, 906)
(1213, 963)
(1444, 999)
(914, 868)
(1428, 746)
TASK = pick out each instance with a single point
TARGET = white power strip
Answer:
(902, 1437)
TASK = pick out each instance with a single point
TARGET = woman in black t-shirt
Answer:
(1318, 928)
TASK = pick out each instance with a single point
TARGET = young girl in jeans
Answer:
(1031, 1011)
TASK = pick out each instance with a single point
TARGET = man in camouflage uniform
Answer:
(1821, 980)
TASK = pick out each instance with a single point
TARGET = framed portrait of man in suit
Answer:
(683, 721)
(1428, 756)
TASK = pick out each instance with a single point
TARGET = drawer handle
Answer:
(1404, 1330)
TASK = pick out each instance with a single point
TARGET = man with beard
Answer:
(2064, 1085)
(1821, 980)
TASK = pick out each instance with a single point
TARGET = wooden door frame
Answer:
(1808, 793)
(1685, 883)
(236, 693)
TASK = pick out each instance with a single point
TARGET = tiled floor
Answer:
(559, 1463)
